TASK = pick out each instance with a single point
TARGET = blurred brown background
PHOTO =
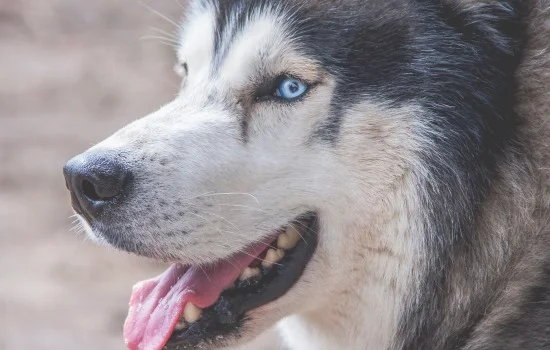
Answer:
(71, 73)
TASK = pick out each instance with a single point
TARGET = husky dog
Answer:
(364, 174)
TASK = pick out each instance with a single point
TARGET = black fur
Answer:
(458, 64)
(469, 88)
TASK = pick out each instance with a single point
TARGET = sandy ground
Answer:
(71, 73)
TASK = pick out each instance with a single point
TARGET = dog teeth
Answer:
(191, 313)
(289, 238)
(249, 272)
(180, 325)
(272, 256)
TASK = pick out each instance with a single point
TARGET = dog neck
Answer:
(374, 274)
(383, 267)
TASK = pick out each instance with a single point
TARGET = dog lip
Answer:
(226, 317)
(156, 305)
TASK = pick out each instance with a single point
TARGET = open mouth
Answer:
(189, 307)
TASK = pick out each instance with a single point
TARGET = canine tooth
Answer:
(249, 272)
(272, 256)
(289, 238)
(191, 313)
(180, 325)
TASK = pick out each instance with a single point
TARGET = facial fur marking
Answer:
(244, 129)
(390, 164)
(224, 32)
(329, 129)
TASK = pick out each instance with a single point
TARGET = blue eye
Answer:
(290, 89)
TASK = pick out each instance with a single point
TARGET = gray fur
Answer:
(424, 148)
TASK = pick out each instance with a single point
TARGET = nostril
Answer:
(88, 189)
(96, 180)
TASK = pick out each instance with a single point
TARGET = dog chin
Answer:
(257, 323)
(226, 302)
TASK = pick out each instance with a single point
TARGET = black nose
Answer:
(95, 179)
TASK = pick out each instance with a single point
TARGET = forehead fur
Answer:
(364, 45)
(234, 44)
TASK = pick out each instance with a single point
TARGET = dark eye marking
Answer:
(284, 88)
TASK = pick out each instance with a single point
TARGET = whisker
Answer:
(161, 39)
(207, 277)
(261, 242)
(77, 227)
(254, 256)
(169, 35)
(240, 206)
(166, 18)
(205, 219)
(235, 266)
(305, 225)
(221, 232)
(298, 231)
(238, 229)
(198, 196)
(224, 219)
(308, 229)
(230, 193)
(181, 4)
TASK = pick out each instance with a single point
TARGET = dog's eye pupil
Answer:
(293, 87)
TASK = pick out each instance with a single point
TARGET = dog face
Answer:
(229, 161)
(289, 116)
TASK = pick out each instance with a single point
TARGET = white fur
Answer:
(197, 43)
(189, 158)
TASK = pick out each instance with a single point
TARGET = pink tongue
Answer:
(157, 304)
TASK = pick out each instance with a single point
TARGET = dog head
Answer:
(297, 149)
